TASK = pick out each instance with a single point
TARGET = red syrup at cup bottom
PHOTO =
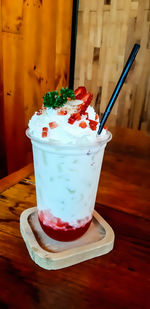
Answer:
(62, 231)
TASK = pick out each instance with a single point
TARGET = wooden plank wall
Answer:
(3, 164)
(35, 38)
(107, 31)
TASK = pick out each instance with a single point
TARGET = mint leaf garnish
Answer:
(56, 99)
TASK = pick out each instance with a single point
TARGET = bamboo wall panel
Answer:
(107, 31)
(35, 38)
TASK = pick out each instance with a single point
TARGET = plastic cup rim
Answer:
(99, 142)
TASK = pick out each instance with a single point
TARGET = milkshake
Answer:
(68, 156)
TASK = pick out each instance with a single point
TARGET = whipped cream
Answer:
(64, 132)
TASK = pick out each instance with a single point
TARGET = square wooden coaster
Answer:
(51, 254)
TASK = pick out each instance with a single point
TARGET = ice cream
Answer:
(68, 156)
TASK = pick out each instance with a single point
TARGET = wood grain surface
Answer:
(34, 58)
(15, 177)
(3, 163)
(119, 279)
(106, 33)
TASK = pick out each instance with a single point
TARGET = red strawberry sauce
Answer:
(60, 230)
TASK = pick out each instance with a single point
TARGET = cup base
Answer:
(67, 235)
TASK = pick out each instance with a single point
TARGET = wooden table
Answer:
(116, 280)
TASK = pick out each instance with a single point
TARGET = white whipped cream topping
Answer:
(64, 132)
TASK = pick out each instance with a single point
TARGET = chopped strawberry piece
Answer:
(71, 119)
(44, 134)
(105, 128)
(79, 92)
(79, 107)
(45, 129)
(74, 117)
(61, 112)
(86, 114)
(39, 112)
(96, 117)
(77, 116)
(83, 124)
(93, 124)
(87, 98)
(93, 128)
(53, 125)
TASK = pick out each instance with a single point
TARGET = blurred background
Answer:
(45, 45)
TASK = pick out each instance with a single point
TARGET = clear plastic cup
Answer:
(66, 185)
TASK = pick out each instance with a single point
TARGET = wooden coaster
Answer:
(51, 254)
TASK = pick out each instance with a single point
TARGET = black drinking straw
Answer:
(118, 87)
